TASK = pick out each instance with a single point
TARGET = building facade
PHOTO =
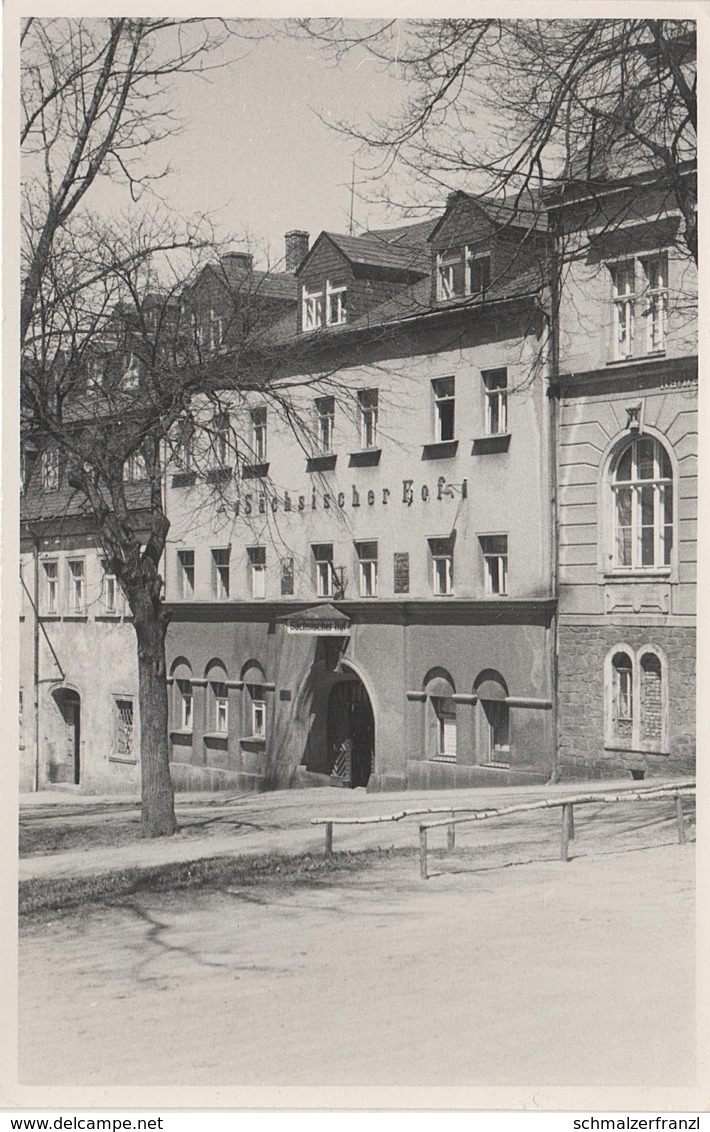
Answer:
(627, 468)
(371, 603)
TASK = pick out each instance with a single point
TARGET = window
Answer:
(445, 712)
(220, 439)
(185, 704)
(257, 570)
(110, 588)
(367, 568)
(498, 721)
(642, 489)
(130, 371)
(186, 573)
(312, 309)
(495, 563)
(220, 573)
(637, 700)
(258, 434)
(442, 559)
(655, 307)
(478, 278)
(258, 710)
(287, 577)
(623, 696)
(220, 698)
(324, 570)
(134, 468)
(449, 274)
(184, 444)
(623, 291)
(335, 304)
(495, 382)
(123, 729)
(50, 469)
(325, 423)
(640, 288)
(76, 585)
(51, 584)
(215, 331)
(444, 402)
(368, 408)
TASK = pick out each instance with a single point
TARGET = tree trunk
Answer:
(157, 795)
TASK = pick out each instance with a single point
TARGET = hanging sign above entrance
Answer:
(317, 621)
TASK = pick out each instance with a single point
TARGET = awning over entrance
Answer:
(317, 621)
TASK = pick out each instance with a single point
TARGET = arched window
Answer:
(642, 488)
(182, 714)
(441, 724)
(637, 700)
(254, 719)
(623, 696)
(494, 728)
(217, 698)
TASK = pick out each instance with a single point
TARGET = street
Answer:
(541, 973)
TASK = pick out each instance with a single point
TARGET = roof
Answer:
(402, 249)
(525, 214)
(263, 284)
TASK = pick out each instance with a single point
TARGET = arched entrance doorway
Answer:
(67, 764)
(351, 731)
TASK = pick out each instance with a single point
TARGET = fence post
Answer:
(329, 839)
(422, 852)
(451, 834)
(571, 823)
(567, 820)
(682, 836)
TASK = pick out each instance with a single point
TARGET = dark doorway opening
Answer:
(351, 731)
(68, 766)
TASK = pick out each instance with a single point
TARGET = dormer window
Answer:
(216, 331)
(450, 274)
(335, 305)
(312, 309)
(460, 272)
(478, 274)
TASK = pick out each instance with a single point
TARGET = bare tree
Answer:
(514, 107)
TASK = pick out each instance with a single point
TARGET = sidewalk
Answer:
(278, 822)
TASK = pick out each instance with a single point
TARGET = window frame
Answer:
(128, 755)
(258, 420)
(220, 701)
(339, 294)
(256, 556)
(368, 567)
(443, 401)
(312, 308)
(496, 397)
(368, 418)
(499, 557)
(324, 569)
(325, 425)
(663, 499)
(445, 556)
(635, 700)
(221, 572)
(50, 469)
(76, 594)
(185, 558)
(51, 585)
(638, 297)
(186, 704)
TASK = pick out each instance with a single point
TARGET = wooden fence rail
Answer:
(676, 791)
(476, 813)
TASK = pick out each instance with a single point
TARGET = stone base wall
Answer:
(581, 693)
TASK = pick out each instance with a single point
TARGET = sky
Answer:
(256, 152)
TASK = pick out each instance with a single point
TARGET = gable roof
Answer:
(402, 249)
(500, 213)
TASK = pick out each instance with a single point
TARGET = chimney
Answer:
(296, 249)
(238, 261)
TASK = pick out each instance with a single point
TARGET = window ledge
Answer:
(440, 450)
(444, 759)
(365, 458)
(639, 574)
(181, 733)
(183, 479)
(636, 359)
(496, 766)
(107, 617)
(323, 463)
(496, 442)
(75, 617)
(50, 616)
(255, 471)
(216, 736)
(253, 742)
(125, 760)
(636, 748)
